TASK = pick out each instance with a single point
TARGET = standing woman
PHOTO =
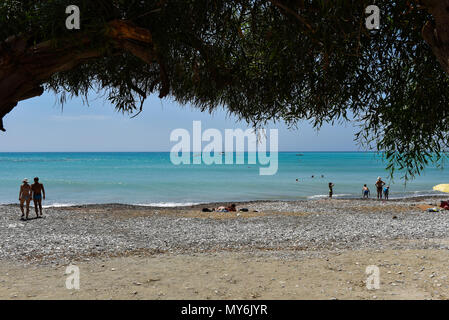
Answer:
(379, 186)
(331, 191)
(25, 198)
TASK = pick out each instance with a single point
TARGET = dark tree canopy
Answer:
(281, 60)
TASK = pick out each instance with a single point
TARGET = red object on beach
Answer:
(444, 204)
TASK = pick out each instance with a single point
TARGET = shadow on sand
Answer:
(32, 218)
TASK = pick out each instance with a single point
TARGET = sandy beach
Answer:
(317, 249)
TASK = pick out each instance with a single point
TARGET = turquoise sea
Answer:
(151, 178)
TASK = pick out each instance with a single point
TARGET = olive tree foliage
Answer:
(263, 61)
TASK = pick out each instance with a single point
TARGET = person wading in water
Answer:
(379, 186)
(331, 190)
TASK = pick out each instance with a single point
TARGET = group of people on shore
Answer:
(380, 185)
(36, 192)
(27, 192)
(381, 188)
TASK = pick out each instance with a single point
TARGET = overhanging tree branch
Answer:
(293, 13)
(24, 68)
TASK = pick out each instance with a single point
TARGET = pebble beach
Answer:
(68, 233)
(274, 230)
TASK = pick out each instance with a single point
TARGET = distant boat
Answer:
(299, 154)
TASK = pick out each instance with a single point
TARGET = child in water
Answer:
(365, 192)
(331, 192)
(386, 192)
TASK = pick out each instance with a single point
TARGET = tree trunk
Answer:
(24, 68)
(437, 34)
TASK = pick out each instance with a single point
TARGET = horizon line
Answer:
(281, 151)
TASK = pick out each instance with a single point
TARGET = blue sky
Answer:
(40, 125)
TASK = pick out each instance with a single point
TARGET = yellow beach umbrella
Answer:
(442, 188)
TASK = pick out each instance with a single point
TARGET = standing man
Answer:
(25, 197)
(38, 191)
(331, 190)
(379, 186)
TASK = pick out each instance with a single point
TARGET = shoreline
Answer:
(238, 203)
